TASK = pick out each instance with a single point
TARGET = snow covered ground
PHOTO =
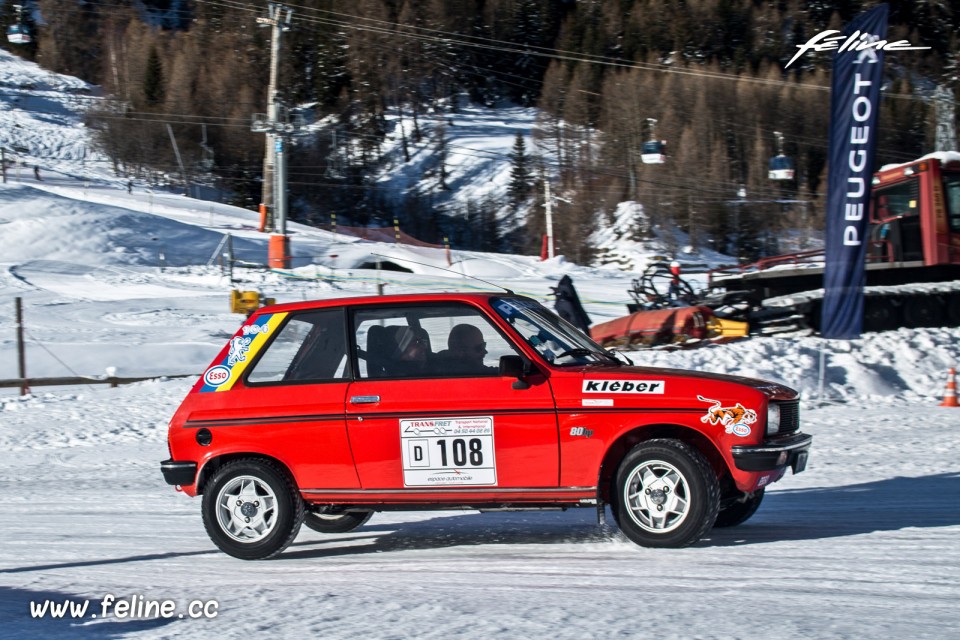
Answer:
(862, 544)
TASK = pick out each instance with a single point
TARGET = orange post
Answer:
(263, 217)
(545, 247)
(279, 252)
(950, 395)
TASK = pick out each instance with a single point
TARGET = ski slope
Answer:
(862, 544)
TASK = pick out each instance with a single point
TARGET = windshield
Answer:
(558, 341)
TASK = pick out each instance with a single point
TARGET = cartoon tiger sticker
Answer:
(735, 420)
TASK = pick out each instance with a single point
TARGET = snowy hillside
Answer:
(862, 544)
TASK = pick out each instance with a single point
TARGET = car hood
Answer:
(772, 390)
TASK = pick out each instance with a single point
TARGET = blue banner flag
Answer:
(854, 107)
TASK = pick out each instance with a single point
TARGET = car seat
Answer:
(380, 347)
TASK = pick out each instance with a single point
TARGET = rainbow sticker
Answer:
(244, 346)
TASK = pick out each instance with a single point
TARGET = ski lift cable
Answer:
(244, 7)
(422, 33)
(165, 120)
(444, 37)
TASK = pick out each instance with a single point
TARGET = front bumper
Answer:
(774, 454)
(179, 473)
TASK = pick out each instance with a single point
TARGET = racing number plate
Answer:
(443, 452)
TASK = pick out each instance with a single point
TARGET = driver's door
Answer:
(437, 430)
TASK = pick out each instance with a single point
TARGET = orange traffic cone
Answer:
(950, 395)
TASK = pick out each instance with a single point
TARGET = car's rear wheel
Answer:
(251, 509)
(329, 521)
(740, 511)
(667, 494)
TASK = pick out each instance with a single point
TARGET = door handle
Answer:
(364, 399)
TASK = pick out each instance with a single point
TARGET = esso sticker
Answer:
(216, 376)
(741, 430)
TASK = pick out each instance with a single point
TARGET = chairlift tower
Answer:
(281, 130)
(278, 19)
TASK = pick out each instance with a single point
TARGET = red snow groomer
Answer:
(667, 311)
(912, 273)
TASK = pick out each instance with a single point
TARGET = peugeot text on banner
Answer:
(854, 106)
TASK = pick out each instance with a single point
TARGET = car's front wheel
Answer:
(667, 494)
(251, 509)
(328, 521)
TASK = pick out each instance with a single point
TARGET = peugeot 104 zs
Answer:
(322, 413)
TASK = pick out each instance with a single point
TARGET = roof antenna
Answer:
(433, 266)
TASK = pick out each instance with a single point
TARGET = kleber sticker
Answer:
(243, 348)
(735, 420)
(624, 386)
(448, 451)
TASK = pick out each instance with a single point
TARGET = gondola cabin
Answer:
(19, 34)
(781, 168)
(653, 152)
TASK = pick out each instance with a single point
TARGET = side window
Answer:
(309, 348)
(951, 188)
(899, 200)
(428, 341)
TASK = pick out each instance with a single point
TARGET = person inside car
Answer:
(410, 356)
(465, 351)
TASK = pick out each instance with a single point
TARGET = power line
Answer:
(432, 36)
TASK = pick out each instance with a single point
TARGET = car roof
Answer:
(408, 298)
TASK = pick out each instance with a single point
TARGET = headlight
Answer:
(773, 418)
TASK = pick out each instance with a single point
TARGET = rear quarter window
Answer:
(311, 347)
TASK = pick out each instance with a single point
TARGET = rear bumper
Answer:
(775, 454)
(179, 473)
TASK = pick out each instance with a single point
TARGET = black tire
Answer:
(813, 314)
(681, 498)
(953, 310)
(251, 509)
(739, 512)
(922, 311)
(336, 522)
(880, 314)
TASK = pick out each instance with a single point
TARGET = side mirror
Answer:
(515, 367)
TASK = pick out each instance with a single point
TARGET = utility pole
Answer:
(280, 127)
(183, 170)
(279, 21)
(548, 203)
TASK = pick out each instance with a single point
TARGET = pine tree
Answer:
(153, 84)
(519, 172)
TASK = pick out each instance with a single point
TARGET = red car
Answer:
(324, 412)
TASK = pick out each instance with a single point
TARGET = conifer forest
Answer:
(707, 76)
